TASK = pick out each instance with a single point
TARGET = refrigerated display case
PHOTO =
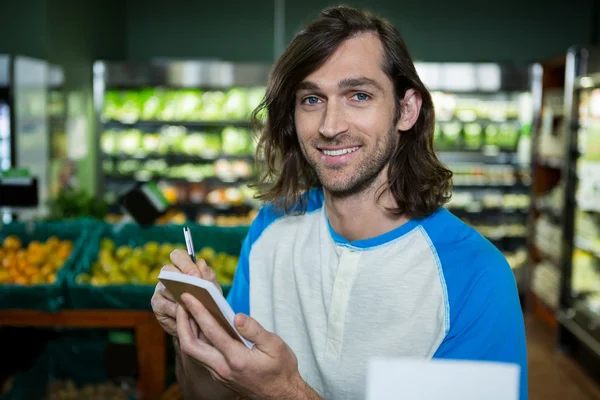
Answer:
(546, 228)
(24, 131)
(579, 314)
(6, 149)
(484, 118)
(185, 125)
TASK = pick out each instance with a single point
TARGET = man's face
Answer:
(344, 117)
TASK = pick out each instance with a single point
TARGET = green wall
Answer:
(466, 30)
(242, 31)
(23, 27)
(435, 30)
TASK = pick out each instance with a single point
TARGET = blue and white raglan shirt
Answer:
(432, 288)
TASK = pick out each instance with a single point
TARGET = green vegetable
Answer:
(235, 106)
(74, 203)
(236, 141)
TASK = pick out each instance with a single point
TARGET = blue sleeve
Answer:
(239, 295)
(486, 319)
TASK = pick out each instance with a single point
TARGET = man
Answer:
(354, 255)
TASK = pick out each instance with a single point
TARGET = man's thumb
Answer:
(249, 328)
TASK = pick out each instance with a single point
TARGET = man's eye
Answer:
(311, 100)
(361, 96)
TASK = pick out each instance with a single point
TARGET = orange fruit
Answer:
(9, 262)
(34, 245)
(47, 269)
(63, 252)
(51, 278)
(31, 271)
(14, 274)
(5, 276)
(37, 280)
(12, 243)
(53, 242)
(21, 280)
(22, 265)
(21, 254)
(34, 259)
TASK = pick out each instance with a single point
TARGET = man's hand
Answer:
(267, 371)
(163, 303)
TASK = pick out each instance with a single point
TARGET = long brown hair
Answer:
(418, 181)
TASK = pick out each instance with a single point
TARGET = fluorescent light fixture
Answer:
(459, 77)
(488, 76)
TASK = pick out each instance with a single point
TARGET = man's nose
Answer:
(334, 120)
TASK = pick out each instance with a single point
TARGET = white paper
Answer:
(441, 379)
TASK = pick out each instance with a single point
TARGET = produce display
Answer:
(472, 123)
(548, 238)
(181, 105)
(141, 265)
(173, 139)
(68, 390)
(546, 283)
(477, 201)
(36, 263)
(517, 258)
(477, 174)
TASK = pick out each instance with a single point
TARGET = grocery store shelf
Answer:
(585, 245)
(493, 156)
(141, 178)
(178, 158)
(547, 257)
(488, 211)
(225, 208)
(553, 163)
(553, 215)
(588, 333)
(153, 126)
(516, 187)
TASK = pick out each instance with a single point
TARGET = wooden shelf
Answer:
(150, 339)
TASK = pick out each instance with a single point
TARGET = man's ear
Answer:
(410, 107)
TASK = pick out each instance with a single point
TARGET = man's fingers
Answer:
(249, 328)
(181, 259)
(204, 353)
(162, 290)
(213, 331)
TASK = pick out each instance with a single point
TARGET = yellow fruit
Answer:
(64, 251)
(21, 280)
(12, 243)
(51, 278)
(35, 258)
(47, 270)
(10, 262)
(53, 242)
(5, 276)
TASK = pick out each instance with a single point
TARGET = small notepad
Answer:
(441, 379)
(206, 292)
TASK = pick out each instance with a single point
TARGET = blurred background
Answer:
(102, 98)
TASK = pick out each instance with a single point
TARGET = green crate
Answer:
(44, 297)
(137, 296)
(77, 356)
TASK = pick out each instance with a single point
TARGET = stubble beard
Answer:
(366, 177)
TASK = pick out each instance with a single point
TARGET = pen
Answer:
(189, 244)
